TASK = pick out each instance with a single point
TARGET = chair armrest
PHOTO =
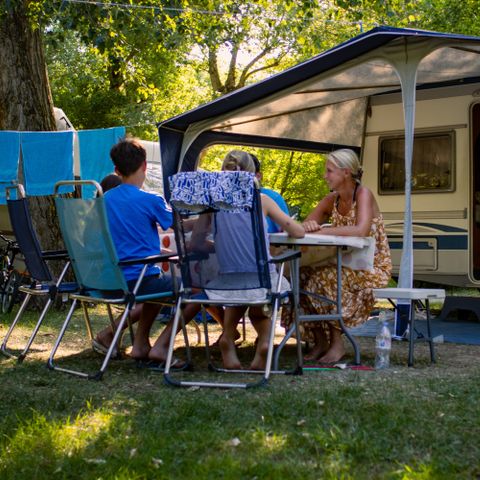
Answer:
(285, 256)
(151, 259)
(54, 254)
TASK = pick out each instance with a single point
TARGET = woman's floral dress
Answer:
(357, 285)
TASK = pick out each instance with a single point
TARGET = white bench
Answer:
(414, 296)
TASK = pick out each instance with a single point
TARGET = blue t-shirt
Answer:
(278, 199)
(133, 215)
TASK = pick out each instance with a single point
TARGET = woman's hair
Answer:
(346, 158)
(238, 160)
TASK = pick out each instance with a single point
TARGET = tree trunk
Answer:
(25, 98)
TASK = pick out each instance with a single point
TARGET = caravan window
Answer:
(432, 166)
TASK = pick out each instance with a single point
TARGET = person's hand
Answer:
(311, 226)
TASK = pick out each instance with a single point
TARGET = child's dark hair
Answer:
(110, 181)
(128, 155)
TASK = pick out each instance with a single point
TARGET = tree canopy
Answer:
(135, 63)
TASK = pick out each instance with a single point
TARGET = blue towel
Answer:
(9, 155)
(47, 159)
(95, 162)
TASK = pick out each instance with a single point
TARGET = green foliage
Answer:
(451, 16)
(241, 42)
(110, 65)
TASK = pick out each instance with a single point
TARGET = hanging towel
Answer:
(47, 159)
(95, 162)
(9, 155)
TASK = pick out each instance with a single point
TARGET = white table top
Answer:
(409, 293)
(282, 238)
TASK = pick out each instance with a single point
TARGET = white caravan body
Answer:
(445, 183)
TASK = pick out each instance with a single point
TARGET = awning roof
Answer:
(322, 99)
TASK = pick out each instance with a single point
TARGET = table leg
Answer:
(339, 309)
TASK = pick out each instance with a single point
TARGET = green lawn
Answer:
(404, 423)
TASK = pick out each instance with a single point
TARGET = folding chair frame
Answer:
(273, 298)
(39, 287)
(88, 295)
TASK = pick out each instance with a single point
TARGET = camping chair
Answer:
(43, 283)
(220, 194)
(85, 230)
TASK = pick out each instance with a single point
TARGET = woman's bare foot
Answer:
(335, 353)
(314, 354)
(229, 354)
(259, 361)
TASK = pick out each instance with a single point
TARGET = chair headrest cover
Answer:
(195, 192)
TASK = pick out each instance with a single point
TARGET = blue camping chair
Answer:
(43, 282)
(226, 204)
(85, 230)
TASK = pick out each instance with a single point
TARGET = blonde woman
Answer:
(352, 210)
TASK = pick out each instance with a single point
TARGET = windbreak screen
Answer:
(87, 238)
(220, 233)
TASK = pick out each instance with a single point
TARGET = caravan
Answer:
(445, 180)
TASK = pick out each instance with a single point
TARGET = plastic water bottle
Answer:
(383, 343)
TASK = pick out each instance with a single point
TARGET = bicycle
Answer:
(10, 278)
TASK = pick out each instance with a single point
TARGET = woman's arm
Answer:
(320, 214)
(365, 213)
(286, 223)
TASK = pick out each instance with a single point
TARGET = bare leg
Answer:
(261, 323)
(337, 350)
(158, 353)
(141, 345)
(105, 336)
(227, 341)
(320, 347)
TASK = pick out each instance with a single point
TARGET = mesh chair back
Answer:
(86, 234)
(27, 239)
(220, 231)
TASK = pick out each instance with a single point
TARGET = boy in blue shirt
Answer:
(134, 216)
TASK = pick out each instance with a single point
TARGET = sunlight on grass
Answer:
(41, 440)
(271, 442)
(423, 472)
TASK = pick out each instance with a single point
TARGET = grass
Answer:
(403, 423)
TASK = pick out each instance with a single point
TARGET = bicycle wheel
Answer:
(10, 291)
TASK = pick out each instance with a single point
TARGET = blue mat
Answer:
(467, 333)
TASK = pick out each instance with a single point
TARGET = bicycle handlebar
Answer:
(10, 243)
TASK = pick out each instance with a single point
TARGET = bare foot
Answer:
(229, 354)
(217, 342)
(105, 337)
(334, 354)
(260, 359)
(140, 352)
(316, 352)
(158, 353)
